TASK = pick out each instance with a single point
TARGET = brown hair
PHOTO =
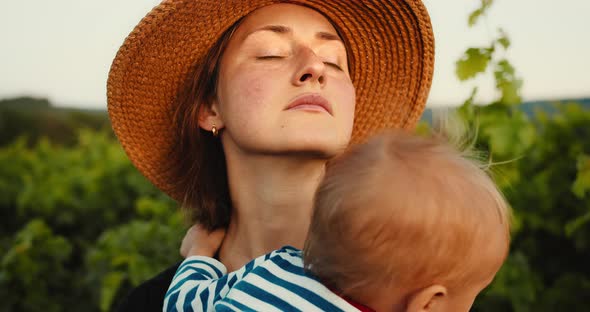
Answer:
(408, 211)
(199, 168)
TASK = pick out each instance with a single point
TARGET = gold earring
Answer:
(214, 131)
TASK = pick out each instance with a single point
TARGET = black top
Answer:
(149, 296)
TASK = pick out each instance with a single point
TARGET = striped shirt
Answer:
(272, 282)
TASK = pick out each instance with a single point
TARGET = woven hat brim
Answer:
(390, 46)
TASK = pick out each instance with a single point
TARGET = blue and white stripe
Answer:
(273, 282)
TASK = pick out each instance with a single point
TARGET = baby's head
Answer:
(407, 223)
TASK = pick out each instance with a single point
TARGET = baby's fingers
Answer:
(194, 236)
(199, 241)
(216, 237)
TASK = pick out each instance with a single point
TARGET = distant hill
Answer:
(530, 107)
(37, 117)
(549, 106)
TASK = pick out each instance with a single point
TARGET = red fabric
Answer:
(359, 306)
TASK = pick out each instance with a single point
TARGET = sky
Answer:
(62, 49)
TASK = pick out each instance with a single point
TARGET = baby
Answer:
(400, 223)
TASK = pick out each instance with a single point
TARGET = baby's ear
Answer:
(428, 299)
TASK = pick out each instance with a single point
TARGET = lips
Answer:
(310, 102)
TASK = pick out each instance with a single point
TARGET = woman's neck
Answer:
(272, 200)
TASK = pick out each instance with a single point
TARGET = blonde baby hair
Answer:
(406, 210)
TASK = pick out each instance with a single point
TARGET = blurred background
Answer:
(79, 226)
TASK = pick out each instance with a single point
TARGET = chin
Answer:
(324, 147)
(317, 144)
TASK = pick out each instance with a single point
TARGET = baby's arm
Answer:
(199, 278)
(200, 281)
(199, 242)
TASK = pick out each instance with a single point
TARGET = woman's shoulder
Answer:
(149, 296)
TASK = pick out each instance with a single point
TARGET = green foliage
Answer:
(547, 157)
(477, 60)
(582, 183)
(514, 287)
(479, 12)
(503, 39)
(543, 169)
(474, 61)
(32, 268)
(79, 225)
(133, 252)
(507, 83)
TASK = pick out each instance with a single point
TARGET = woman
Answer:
(234, 107)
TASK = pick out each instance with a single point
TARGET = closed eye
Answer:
(269, 57)
(334, 65)
(273, 57)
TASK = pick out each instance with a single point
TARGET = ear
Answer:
(428, 299)
(209, 116)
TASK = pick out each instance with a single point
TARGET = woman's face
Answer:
(284, 85)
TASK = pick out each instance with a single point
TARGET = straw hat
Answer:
(391, 53)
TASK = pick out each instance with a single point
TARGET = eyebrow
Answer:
(280, 29)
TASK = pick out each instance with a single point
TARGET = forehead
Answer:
(299, 18)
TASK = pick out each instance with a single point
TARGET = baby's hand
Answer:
(200, 242)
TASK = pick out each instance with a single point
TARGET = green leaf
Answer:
(577, 224)
(508, 137)
(582, 183)
(503, 40)
(467, 111)
(110, 286)
(474, 16)
(479, 12)
(38, 259)
(507, 83)
(516, 280)
(473, 62)
(471, 99)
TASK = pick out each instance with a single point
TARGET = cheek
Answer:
(246, 93)
(249, 88)
(347, 100)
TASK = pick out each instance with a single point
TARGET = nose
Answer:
(310, 69)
